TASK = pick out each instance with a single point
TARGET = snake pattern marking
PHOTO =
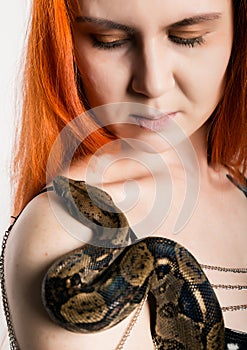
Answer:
(96, 286)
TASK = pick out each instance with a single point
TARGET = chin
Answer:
(147, 140)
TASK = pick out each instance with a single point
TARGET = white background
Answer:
(13, 22)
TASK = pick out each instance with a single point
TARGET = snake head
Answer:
(94, 208)
(75, 196)
(63, 186)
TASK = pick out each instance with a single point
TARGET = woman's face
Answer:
(170, 55)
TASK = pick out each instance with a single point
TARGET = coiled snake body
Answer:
(95, 287)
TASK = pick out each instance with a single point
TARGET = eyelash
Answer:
(190, 42)
(107, 46)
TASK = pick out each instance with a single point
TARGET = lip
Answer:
(154, 122)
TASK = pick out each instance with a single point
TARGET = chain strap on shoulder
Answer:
(224, 269)
(11, 332)
(237, 287)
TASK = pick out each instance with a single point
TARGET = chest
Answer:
(213, 228)
(211, 223)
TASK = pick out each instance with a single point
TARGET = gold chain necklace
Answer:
(239, 270)
(131, 325)
(224, 269)
(215, 286)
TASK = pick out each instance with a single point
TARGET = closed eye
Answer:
(190, 42)
(107, 45)
(107, 42)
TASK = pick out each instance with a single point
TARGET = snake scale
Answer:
(96, 286)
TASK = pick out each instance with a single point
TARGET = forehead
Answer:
(165, 11)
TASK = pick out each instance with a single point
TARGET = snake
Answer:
(96, 286)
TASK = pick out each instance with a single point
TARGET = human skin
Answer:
(170, 73)
(192, 85)
(175, 68)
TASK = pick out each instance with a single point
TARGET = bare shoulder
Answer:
(36, 240)
(39, 234)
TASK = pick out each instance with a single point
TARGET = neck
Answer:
(121, 160)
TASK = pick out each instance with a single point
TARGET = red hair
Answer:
(227, 133)
(52, 97)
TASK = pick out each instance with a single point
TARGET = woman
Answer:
(179, 61)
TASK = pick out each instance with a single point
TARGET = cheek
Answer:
(202, 87)
(206, 78)
(104, 81)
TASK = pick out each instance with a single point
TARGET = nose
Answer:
(152, 74)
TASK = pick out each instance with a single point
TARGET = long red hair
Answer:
(52, 97)
(227, 132)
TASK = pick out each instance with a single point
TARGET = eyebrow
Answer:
(197, 19)
(105, 23)
(207, 17)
